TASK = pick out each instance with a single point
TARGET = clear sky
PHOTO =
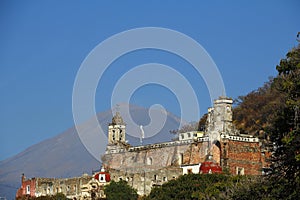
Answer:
(43, 43)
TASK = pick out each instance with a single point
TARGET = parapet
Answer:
(223, 100)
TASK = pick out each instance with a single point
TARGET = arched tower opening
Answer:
(116, 130)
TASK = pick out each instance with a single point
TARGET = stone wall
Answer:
(143, 180)
(157, 156)
(146, 166)
(71, 187)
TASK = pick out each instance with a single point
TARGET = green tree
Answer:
(286, 128)
(196, 186)
(120, 191)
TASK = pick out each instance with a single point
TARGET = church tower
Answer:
(116, 130)
(223, 115)
(219, 119)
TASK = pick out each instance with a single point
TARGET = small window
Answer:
(165, 178)
(189, 171)
(240, 171)
(155, 177)
(28, 189)
(102, 177)
(149, 161)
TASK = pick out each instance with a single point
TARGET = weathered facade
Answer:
(146, 166)
(84, 187)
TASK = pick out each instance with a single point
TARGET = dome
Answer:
(102, 176)
(210, 167)
(117, 119)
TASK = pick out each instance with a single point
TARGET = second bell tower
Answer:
(116, 130)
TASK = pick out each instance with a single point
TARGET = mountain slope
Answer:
(65, 156)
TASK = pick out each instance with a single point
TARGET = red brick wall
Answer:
(216, 153)
(239, 154)
(22, 191)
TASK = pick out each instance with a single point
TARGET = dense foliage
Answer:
(205, 186)
(257, 110)
(285, 131)
(120, 191)
(58, 196)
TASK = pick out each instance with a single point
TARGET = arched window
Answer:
(149, 161)
(181, 159)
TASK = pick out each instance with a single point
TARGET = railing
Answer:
(239, 138)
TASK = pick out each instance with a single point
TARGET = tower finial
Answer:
(117, 107)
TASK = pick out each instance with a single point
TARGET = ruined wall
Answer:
(31, 183)
(242, 157)
(144, 180)
(195, 153)
(71, 187)
(146, 166)
(155, 157)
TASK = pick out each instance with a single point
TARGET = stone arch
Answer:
(216, 151)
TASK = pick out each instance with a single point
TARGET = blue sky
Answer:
(43, 43)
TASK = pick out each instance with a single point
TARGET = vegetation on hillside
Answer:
(285, 130)
(257, 110)
(195, 186)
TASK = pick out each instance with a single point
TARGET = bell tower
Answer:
(223, 115)
(116, 130)
(219, 119)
